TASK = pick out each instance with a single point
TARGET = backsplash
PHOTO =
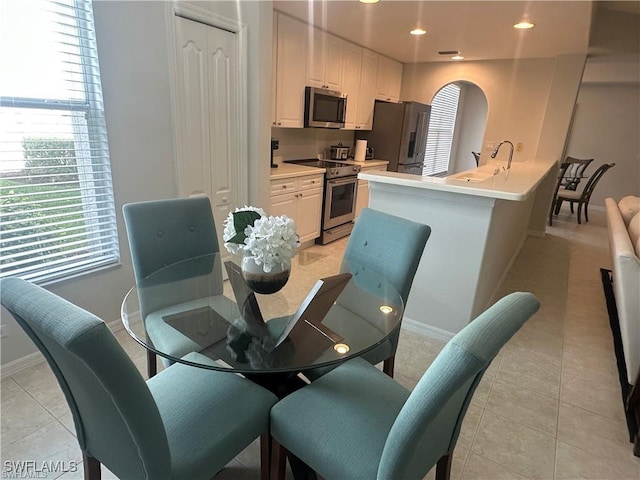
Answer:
(296, 143)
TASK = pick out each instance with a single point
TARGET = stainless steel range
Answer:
(340, 190)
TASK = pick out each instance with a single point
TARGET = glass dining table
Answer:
(185, 312)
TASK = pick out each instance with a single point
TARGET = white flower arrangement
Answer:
(270, 241)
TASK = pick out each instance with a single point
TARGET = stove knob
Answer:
(356, 169)
(335, 172)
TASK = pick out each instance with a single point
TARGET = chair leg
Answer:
(571, 206)
(265, 456)
(388, 364)
(278, 460)
(558, 205)
(443, 467)
(586, 211)
(91, 467)
(579, 213)
(152, 367)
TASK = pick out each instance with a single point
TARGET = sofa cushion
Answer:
(629, 206)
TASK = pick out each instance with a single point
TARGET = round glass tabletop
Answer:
(186, 312)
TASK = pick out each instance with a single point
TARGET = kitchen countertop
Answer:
(518, 185)
(289, 170)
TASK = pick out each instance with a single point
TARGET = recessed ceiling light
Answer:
(417, 31)
(457, 57)
(368, 1)
(524, 25)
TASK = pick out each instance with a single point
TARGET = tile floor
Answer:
(548, 408)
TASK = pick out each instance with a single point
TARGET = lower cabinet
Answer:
(299, 198)
(362, 200)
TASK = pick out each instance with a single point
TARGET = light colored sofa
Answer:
(623, 221)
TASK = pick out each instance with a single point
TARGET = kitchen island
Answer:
(479, 220)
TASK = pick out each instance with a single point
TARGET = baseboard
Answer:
(536, 233)
(421, 328)
(35, 358)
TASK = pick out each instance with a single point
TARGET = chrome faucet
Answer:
(495, 152)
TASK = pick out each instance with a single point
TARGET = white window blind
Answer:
(57, 213)
(441, 127)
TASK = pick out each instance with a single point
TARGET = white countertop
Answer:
(289, 170)
(516, 184)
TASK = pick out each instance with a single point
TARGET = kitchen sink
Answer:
(472, 176)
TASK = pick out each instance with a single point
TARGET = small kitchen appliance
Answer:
(324, 108)
(338, 152)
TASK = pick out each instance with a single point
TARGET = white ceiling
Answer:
(480, 30)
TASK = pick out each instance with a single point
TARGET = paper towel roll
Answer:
(361, 150)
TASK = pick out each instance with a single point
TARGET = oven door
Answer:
(339, 201)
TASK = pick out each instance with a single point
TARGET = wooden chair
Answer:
(583, 197)
(575, 172)
(563, 169)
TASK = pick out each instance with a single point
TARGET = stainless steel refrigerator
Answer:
(399, 135)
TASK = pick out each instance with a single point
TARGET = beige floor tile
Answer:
(596, 434)
(524, 406)
(573, 462)
(40, 382)
(48, 446)
(470, 426)
(481, 468)
(594, 392)
(483, 389)
(514, 446)
(532, 370)
(21, 416)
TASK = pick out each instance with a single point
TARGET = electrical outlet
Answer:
(519, 147)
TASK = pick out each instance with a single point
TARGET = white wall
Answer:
(133, 47)
(606, 128)
(516, 94)
(470, 126)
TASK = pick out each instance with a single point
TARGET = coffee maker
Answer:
(275, 144)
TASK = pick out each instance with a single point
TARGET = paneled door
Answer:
(208, 123)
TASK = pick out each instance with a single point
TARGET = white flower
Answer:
(270, 241)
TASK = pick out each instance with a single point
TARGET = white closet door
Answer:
(208, 128)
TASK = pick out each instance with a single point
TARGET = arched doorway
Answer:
(456, 128)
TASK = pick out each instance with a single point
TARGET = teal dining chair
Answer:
(184, 423)
(391, 246)
(164, 232)
(357, 423)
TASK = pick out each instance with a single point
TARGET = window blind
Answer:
(57, 212)
(441, 127)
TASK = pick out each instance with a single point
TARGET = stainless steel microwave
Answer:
(324, 108)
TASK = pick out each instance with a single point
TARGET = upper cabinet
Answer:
(324, 61)
(305, 55)
(290, 71)
(388, 79)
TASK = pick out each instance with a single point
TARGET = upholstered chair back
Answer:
(429, 423)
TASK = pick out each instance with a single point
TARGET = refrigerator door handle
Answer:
(421, 143)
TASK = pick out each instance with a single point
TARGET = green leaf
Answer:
(241, 220)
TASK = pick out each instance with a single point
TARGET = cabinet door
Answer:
(333, 62)
(388, 79)
(309, 211)
(284, 205)
(274, 72)
(291, 69)
(367, 94)
(351, 73)
(316, 59)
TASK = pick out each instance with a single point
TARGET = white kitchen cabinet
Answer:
(351, 73)
(362, 200)
(300, 198)
(324, 61)
(367, 92)
(388, 79)
(290, 71)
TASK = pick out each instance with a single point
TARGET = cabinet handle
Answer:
(279, 123)
(284, 186)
